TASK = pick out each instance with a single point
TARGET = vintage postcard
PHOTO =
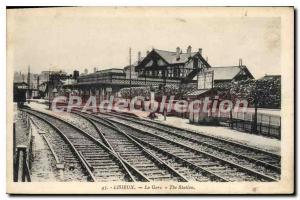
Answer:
(150, 100)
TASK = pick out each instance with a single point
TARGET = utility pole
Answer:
(164, 91)
(49, 89)
(28, 81)
(38, 86)
(254, 124)
(130, 73)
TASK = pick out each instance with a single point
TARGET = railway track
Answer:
(154, 166)
(71, 165)
(209, 163)
(99, 162)
(261, 161)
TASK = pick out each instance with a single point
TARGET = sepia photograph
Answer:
(150, 100)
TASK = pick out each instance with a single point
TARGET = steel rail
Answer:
(278, 157)
(214, 176)
(75, 151)
(239, 167)
(91, 138)
(161, 162)
(152, 156)
(141, 176)
(250, 159)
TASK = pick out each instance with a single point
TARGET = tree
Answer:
(264, 93)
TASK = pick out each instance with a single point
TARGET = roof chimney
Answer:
(139, 57)
(177, 53)
(189, 51)
(200, 51)
(240, 62)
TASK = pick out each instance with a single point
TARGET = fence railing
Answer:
(124, 81)
(23, 154)
(266, 124)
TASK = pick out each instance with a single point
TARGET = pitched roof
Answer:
(171, 58)
(226, 73)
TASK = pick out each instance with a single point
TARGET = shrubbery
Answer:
(170, 90)
(267, 92)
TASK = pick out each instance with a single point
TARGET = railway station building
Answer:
(158, 67)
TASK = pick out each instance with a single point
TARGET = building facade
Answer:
(157, 68)
(172, 65)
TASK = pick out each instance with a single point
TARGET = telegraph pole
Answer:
(130, 73)
(28, 82)
(38, 86)
(49, 89)
(164, 93)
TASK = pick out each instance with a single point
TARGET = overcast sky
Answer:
(87, 38)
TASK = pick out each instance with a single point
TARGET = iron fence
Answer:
(266, 124)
